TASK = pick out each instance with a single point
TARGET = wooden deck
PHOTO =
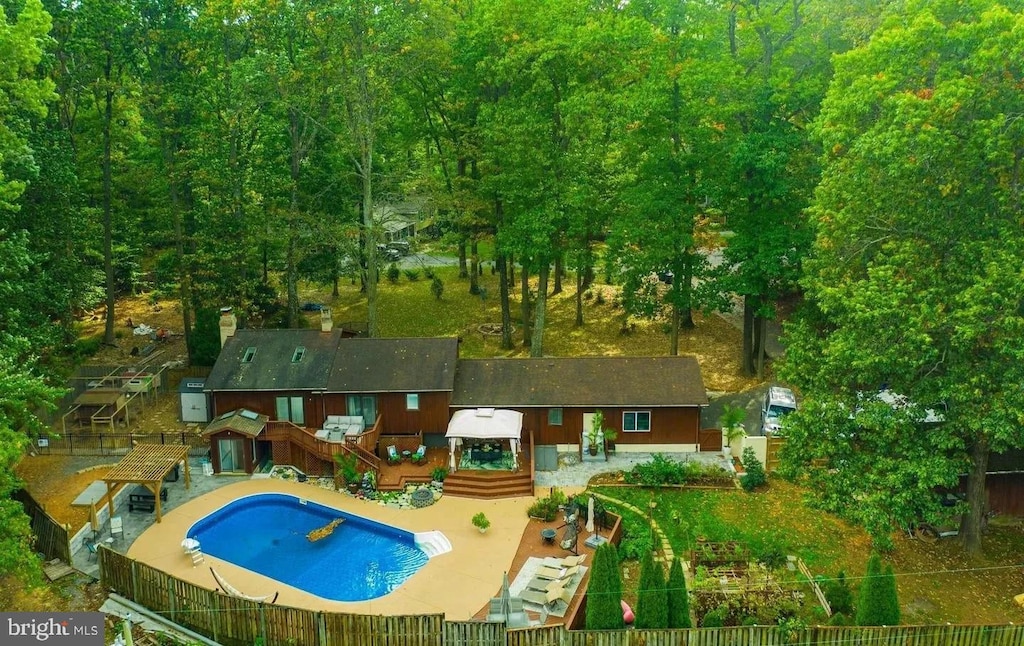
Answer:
(464, 483)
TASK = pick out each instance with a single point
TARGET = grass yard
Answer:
(408, 308)
(937, 582)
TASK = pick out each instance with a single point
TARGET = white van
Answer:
(778, 402)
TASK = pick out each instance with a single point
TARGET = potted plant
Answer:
(348, 464)
(480, 522)
(732, 427)
(595, 433)
(610, 435)
(438, 475)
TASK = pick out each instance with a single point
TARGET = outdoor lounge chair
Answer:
(550, 573)
(420, 456)
(568, 561)
(546, 585)
(393, 457)
(543, 599)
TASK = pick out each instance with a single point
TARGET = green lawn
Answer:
(937, 582)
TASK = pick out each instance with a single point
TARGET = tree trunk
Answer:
(524, 307)
(108, 216)
(506, 309)
(579, 298)
(977, 498)
(540, 311)
(184, 271)
(748, 337)
(463, 269)
(559, 270)
(673, 336)
(474, 278)
(761, 325)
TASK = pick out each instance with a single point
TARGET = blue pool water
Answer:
(266, 533)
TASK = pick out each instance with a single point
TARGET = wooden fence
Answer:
(232, 621)
(121, 444)
(51, 537)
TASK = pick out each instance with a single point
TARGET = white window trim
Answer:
(636, 412)
(407, 401)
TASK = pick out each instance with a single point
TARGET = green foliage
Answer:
(754, 475)
(678, 597)
(393, 273)
(878, 604)
(662, 470)
(205, 340)
(731, 422)
(412, 274)
(604, 594)
(87, 346)
(438, 474)
(348, 465)
(652, 599)
(837, 592)
(480, 521)
(636, 537)
(436, 287)
(713, 619)
(839, 619)
(547, 508)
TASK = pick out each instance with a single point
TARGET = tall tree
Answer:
(652, 601)
(678, 597)
(915, 278)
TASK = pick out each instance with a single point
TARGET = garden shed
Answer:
(195, 406)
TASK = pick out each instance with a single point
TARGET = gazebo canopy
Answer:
(148, 465)
(485, 424)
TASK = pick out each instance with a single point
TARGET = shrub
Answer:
(839, 619)
(412, 274)
(666, 471)
(428, 273)
(393, 273)
(480, 521)
(838, 593)
(678, 597)
(437, 287)
(547, 508)
(652, 602)
(878, 603)
(605, 591)
(636, 538)
(714, 619)
(438, 474)
(755, 475)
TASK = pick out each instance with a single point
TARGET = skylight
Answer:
(250, 352)
(248, 414)
(298, 354)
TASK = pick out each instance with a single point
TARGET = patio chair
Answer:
(116, 526)
(393, 456)
(542, 599)
(420, 456)
(550, 573)
(91, 546)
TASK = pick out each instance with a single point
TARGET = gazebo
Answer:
(484, 424)
(148, 465)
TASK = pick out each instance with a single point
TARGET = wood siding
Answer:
(247, 452)
(264, 402)
(668, 425)
(432, 416)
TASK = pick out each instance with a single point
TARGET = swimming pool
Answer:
(266, 533)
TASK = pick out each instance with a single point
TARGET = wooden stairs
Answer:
(488, 484)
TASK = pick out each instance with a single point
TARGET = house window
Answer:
(250, 352)
(412, 401)
(554, 417)
(638, 421)
(290, 409)
(298, 354)
(363, 405)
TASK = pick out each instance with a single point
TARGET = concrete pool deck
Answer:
(457, 584)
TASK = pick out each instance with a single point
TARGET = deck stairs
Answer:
(488, 484)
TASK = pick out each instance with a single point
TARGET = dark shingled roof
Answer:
(271, 367)
(585, 381)
(394, 365)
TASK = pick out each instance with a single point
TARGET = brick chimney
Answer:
(326, 321)
(228, 325)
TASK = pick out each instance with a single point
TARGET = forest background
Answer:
(220, 152)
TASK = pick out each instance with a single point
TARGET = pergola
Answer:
(148, 465)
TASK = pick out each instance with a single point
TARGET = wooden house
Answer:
(653, 403)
